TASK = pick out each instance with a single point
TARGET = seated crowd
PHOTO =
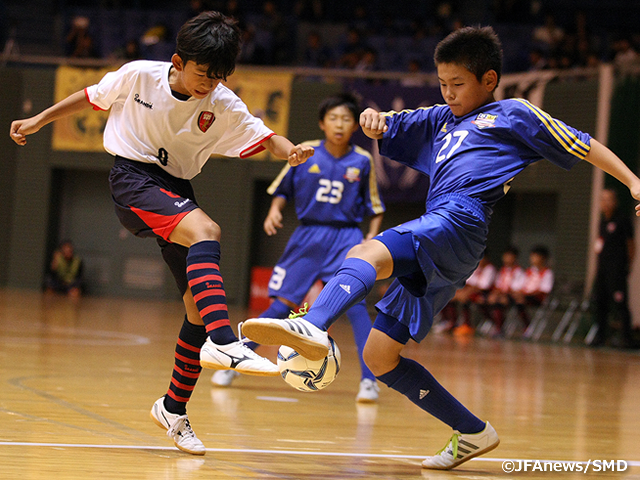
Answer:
(495, 291)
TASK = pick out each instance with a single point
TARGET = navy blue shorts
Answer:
(150, 202)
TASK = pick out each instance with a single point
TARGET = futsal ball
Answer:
(309, 375)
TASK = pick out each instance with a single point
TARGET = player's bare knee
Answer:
(209, 231)
(357, 251)
(377, 363)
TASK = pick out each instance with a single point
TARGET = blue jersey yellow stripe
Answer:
(376, 203)
(567, 139)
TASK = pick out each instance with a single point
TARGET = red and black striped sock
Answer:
(187, 367)
(206, 286)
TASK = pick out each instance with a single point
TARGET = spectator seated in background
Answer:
(476, 290)
(536, 285)
(508, 278)
(79, 42)
(65, 271)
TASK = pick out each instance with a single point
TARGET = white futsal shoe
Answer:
(463, 447)
(178, 429)
(236, 356)
(295, 332)
(369, 391)
(224, 378)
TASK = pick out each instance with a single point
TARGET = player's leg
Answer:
(472, 436)
(351, 283)
(222, 349)
(361, 325)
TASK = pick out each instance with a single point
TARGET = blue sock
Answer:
(361, 326)
(414, 381)
(351, 283)
(277, 309)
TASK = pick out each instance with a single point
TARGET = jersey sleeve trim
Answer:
(569, 141)
(376, 203)
(391, 113)
(95, 107)
(276, 182)
(256, 147)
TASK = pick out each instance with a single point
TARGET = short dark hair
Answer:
(478, 49)
(512, 249)
(541, 250)
(211, 39)
(348, 100)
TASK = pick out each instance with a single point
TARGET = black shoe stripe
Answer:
(303, 326)
(293, 326)
(470, 445)
(463, 450)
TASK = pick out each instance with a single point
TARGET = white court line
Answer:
(631, 463)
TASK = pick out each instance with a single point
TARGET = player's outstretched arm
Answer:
(603, 158)
(70, 105)
(274, 217)
(282, 147)
(373, 123)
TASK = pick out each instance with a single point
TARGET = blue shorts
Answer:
(150, 202)
(448, 242)
(313, 252)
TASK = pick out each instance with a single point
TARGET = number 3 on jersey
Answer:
(329, 191)
(461, 135)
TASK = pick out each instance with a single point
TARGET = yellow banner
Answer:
(267, 95)
(83, 131)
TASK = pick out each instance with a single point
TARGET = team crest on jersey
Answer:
(314, 168)
(352, 175)
(485, 120)
(205, 120)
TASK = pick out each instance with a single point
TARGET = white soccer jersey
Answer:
(536, 280)
(148, 124)
(483, 277)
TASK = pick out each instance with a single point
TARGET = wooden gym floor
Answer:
(77, 381)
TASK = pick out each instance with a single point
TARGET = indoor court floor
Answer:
(77, 381)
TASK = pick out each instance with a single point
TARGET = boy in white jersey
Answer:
(166, 119)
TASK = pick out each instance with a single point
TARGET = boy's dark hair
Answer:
(478, 49)
(512, 249)
(541, 250)
(346, 99)
(210, 39)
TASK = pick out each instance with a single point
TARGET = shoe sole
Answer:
(159, 423)
(465, 459)
(255, 373)
(366, 400)
(275, 334)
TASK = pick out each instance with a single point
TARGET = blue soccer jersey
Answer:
(331, 191)
(477, 155)
(331, 195)
(470, 160)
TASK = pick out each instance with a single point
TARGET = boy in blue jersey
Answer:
(332, 194)
(471, 148)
